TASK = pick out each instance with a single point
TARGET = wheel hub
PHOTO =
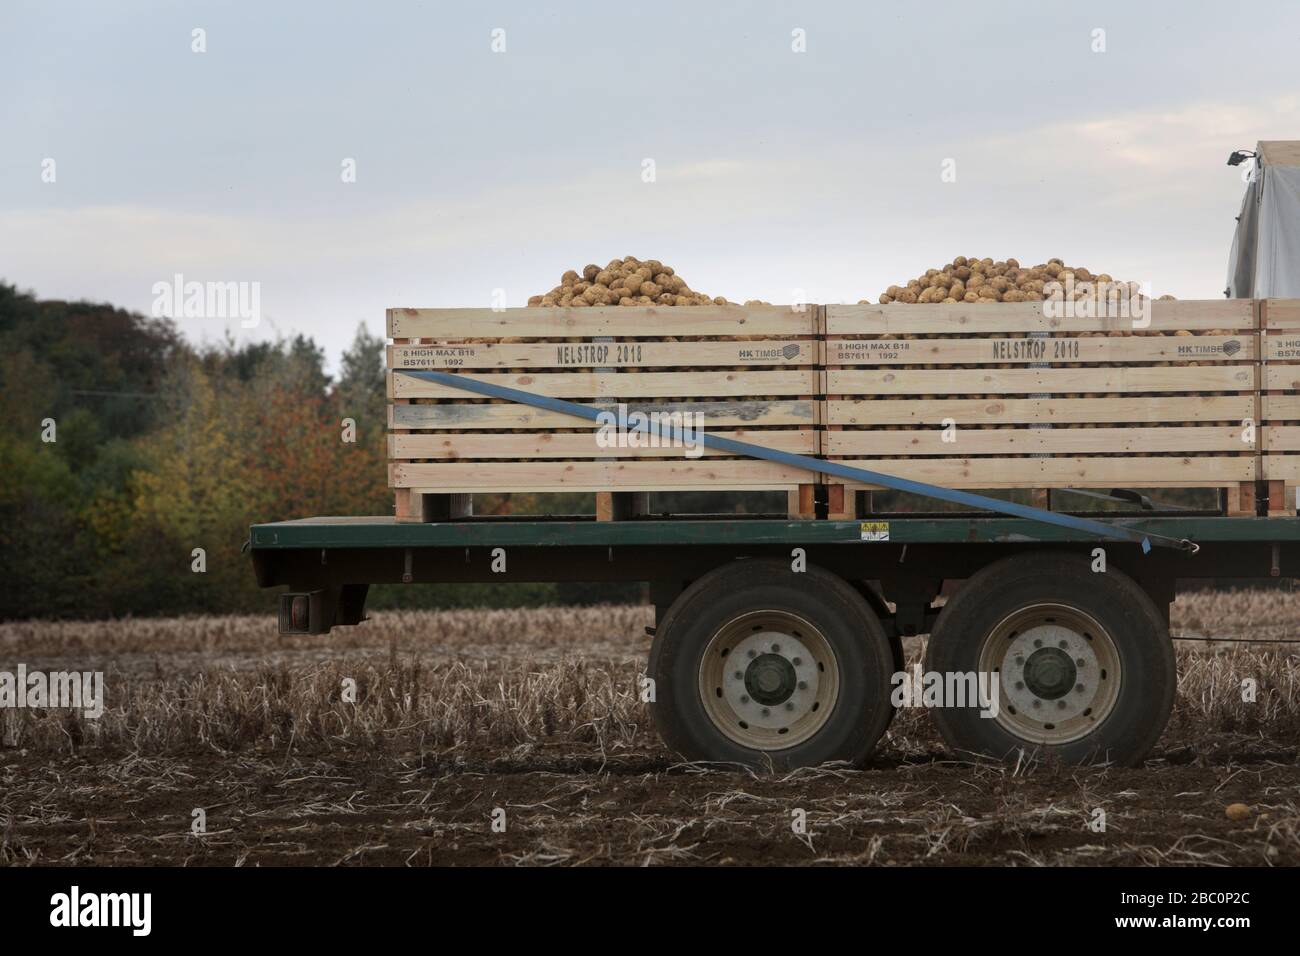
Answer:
(769, 680)
(1049, 673)
(1059, 673)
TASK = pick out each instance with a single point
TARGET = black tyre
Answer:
(758, 665)
(1083, 662)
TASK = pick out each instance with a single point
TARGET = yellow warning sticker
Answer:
(874, 530)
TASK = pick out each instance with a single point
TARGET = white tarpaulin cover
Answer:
(1265, 258)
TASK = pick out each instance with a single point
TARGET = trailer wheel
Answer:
(1083, 662)
(757, 665)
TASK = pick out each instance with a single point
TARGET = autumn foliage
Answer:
(161, 449)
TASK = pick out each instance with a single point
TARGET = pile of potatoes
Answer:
(987, 280)
(626, 281)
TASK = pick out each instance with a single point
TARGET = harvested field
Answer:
(536, 712)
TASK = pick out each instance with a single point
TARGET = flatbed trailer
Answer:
(777, 643)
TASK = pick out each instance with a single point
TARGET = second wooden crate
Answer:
(1007, 395)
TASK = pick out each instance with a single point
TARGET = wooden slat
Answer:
(1023, 441)
(552, 445)
(544, 476)
(1028, 381)
(1049, 351)
(650, 321)
(1282, 468)
(1281, 407)
(633, 354)
(1132, 472)
(1010, 411)
(1281, 313)
(1280, 438)
(1282, 378)
(466, 417)
(968, 318)
(714, 384)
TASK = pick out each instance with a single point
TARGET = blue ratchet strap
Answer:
(838, 470)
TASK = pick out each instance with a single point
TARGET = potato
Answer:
(967, 279)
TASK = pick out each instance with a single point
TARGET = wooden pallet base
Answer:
(801, 503)
(621, 505)
(422, 506)
(1282, 498)
(1281, 480)
(851, 502)
(1239, 500)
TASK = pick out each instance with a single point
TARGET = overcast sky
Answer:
(775, 170)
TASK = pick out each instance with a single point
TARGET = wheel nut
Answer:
(753, 654)
(1079, 688)
(1037, 702)
(789, 706)
(1063, 645)
(766, 712)
(739, 675)
(1080, 661)
(744, 699)
(1020, 685)
(1060, 705)
(796, 661)
(776, 648)
(803, 685)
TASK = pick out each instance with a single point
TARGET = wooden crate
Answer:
(1280, 402)
(1042, 402)
(750, 372)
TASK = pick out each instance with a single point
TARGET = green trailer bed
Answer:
(386, 532)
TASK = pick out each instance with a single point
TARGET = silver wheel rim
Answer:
(1059, 673)
(769, 680)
